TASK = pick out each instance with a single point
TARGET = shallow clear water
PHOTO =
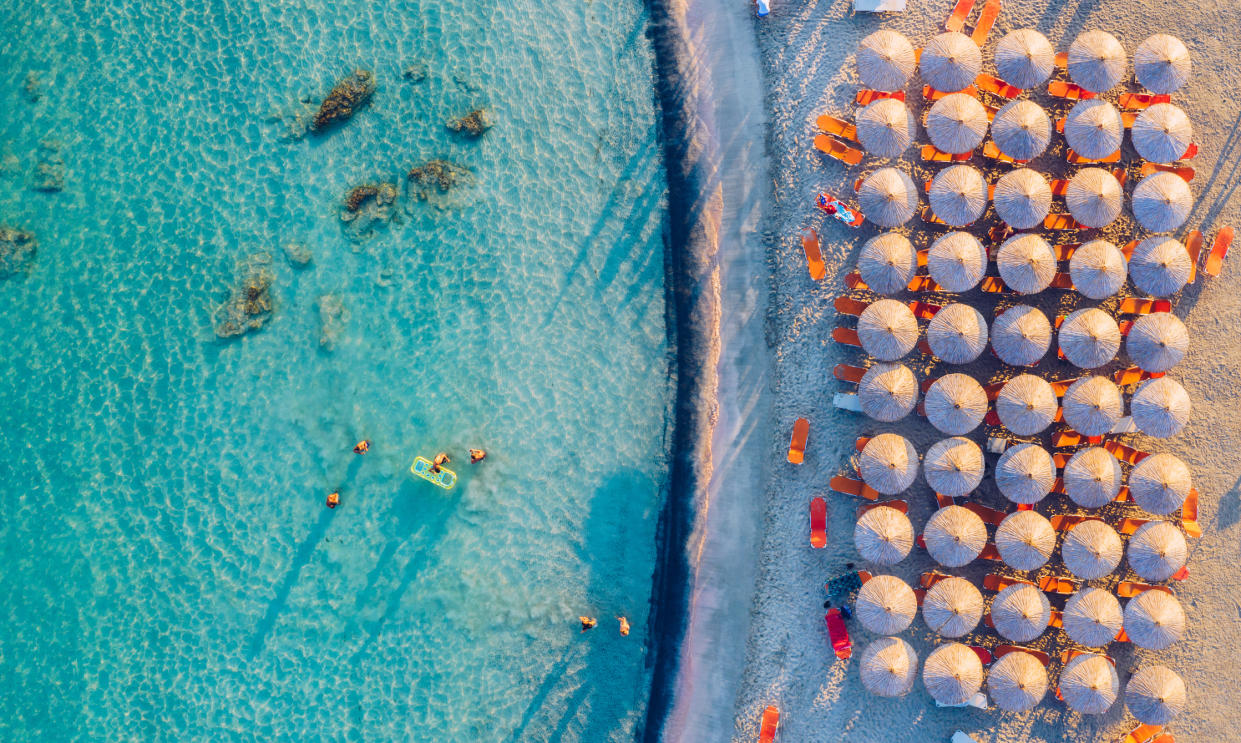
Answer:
(170, 570)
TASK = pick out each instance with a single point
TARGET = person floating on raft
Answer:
(440, 460)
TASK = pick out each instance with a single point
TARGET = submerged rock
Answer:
(346, 97)
(17, 249)
(367, 206)
(437, 176)
(33, 87)
(332, 318)
(49, 169)
(249, 306)
(475, 123)
(415, 73)
(298, 255)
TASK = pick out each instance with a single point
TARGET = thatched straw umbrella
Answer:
(888, 197)
(1162, 133)
(888, 392)
(887, 262)
(1021, 335)
(1157, 550)
(954, 536)
(885, 605)
(885, 60)
(1089, 338)
(889, 667)
(1155, 695)
(1098, 269)
(1017, 682)
(1020, 612)
(1027, 263)
(1157, 342)
(888, 329)
(1094, 128)
(889, 463)
(1092, 477)
(952, 607)
(1154, 620)
(1096, 61)
(958, 195)
(885, 127)
(956, 123)
(1160, 407)
(1092, 406)
(1160, 266)
(1025, 473)
(953, 466)
(1092, 617)
(1024, 58)
(883, 535)
(1162, 64)
(1161, 202)
(950, 62)
(952, 674)
(955, 404)
(957, 261)
(1026, 404)
(1089, 684)
(1094, 197)
(1022, 198)
(1160, 483)
(1021, 129)
(1092, 549)
(1025, 540)
(957, 334)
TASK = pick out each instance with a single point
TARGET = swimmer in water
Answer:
(477, 455)
(333, 500)
(624, 626)
(587, 623)
(363, 446)
(441, 459)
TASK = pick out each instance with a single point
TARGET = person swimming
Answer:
(362, 447)
(477, 455)
(624, 626)
(587, 623)
(441, 459)
(333, 500)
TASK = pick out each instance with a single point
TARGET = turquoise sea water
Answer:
(170, 571)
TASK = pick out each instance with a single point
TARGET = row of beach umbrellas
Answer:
(1024, 58)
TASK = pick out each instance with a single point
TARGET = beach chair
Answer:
(996, 86)
(850, 306)
(960, 11)
(846, 337)
(1122, 495)
(932, 95)
(994, 285)
(1068, 91)
(846, 373)
(1125, 453)
(1062, 280)
(896, 503)
(1184, 171)
(1139, 101)
(1060, 222)
(837, 126)
(838, 633)
(996, 582)
(1127, 249)
(1193, 246)
(1129, 525)
(1004, 649)
(860, 443)
(991, 152)
(986, 20)
(928, 216)
(847, 401)
(988, 515)
(1075, 159)
(923, 310)
(818, 523)
(990, 552)
(851, 486)
(1139, 306)
(770, 723)
(865, 97)
(1191, 152)
(838, 150)
(1127, 589)
(1066, 521)
(931, 153)
(1189, 515)
(1057, 584)
(1072, 653)
(1142, 733)
(1219, 251)
(931, 577)
(797, 447)
(814, 256)
(1164, 738)
(1132, 375)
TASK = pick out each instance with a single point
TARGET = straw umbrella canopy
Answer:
(1025, 473)
(1021, 335)
(1160, 266)
(950, 62)
(1155, 695)
(1162, 133)
(885, 605)
(1026, 404)
(1162, 201)
(1024, 58)
(1162, 64)
(1160, 407)
(1098, 269)
(1160, 483)
(952, 674)
(1154, 619)
(953, 466)
(1157, 550)
(956, 123)
(887, 262)
(955, 404)
(888, 197)
(1021, 129)
(1020, 612)
(1157, 342)
(885, 60)
(954, 536)
(888, 392)
(885, 127)
(1092, 549)
(1017, 681)
(888, 329)
(1094, 128)
(1022, 198)
(958, 195)
(1092, 617)
(1094, 197)
(1027, 263)
(1025, 540)
(952, 607)
(1096, 61)
(957, 334)
(1092, 406)
(1089, 684)
(883, 535)
(889, 667)
(1089, 338)
(1092, 477)
(889, 463)
(957, 261)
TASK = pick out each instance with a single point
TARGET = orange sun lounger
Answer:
(1193, 246)
(846, 373)
(1184, 171)
(1004, 649)
(930, 153)
(797, 447)
(988, 515)
(1068, 91)
(1138, 306)
(896, 503)
(932, 95)
(1139, 101)
(837, 126)
(996, 86)
(991, 152)
(839, 634)
(865, 96)
(986, 20)
(1142, 733)
(1074, 158)
(850, 486)
(818, 523)
(1060, 222)
(1127, 589)
(849, 306)
(961, 11)
(814, 256)
(771, 722)
(1189, 515)
(846, 337)
(838, 150)
(1219, 251)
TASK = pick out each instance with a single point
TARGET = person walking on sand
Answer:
(477, 455)
(333, 500)
(624, 626)
(587, 623)
(362, 447)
